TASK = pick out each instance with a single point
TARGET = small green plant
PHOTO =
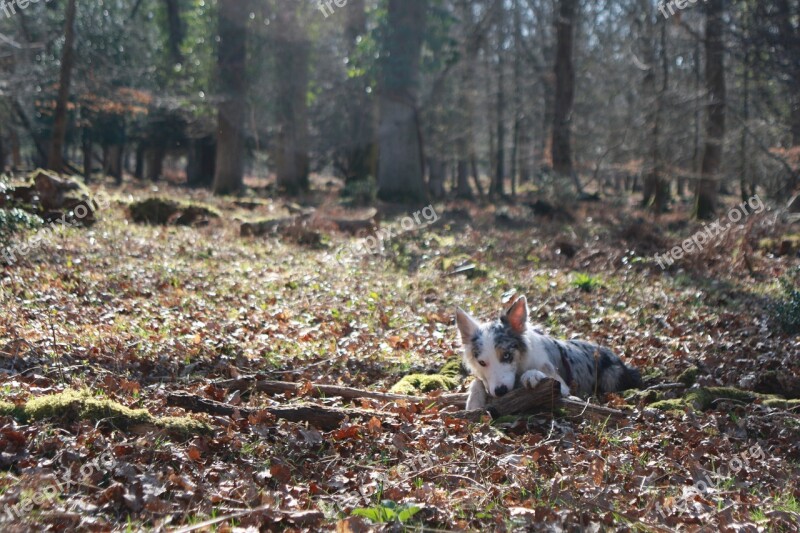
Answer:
(387, 511)
(585, 282)
(15, 220)
(787, 309)
(362, 192)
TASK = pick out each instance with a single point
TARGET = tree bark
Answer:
(201, 162)
(155, 162)
(231, 72)
(175, 30)
(401, 161)
(56, 160)
(138, 170)
(293, 53)
(360, 150)
(561, 145)
(497, 188)
(706, 195)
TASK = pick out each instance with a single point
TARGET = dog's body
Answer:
(508, 353)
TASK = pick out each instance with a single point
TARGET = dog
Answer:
(508, 353)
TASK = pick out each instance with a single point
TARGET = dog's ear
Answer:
(517, 315)
(466, 325)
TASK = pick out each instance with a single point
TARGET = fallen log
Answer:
(315, 390)
(541, 400)
(323, 417)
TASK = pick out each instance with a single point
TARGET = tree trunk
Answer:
(141, 150)
(706, 195)
(86, 144)
(401, 161)
(437, 170)
(16, 153)
(231, 72)
(56, 159)
(498, 187)
(656, 188)
(360, 151)
(561, 145)
(175, 30)
(155, 162)
(115, 153)
(293, 53)
(200, 162)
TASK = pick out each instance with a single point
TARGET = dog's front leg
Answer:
(531, 378)
(477, 396)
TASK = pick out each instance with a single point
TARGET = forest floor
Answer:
(131, 313)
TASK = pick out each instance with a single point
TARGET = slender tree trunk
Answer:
(706, 195)
(200, 162)
(155, 162)
(401, 159)
(138, 171)
(86, 142)
(16, 153)
(293, 54)
(743, 162)
(175, 29)
(561, 145)
(360, 153)
(465, 112)
(56, 159)
(498, 187)
(231, 72)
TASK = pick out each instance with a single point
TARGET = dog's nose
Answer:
(500, 391)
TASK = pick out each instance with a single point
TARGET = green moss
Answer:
(415, 383)
(689, 376)
(7, 408)
(452, 368)
(635, 396)
(781, 403)
(81, 405)
(183, 425)
(706, 398)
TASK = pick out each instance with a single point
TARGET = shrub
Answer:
(15, 220)
(787, 309)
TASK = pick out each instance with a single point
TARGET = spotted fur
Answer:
(508, 353)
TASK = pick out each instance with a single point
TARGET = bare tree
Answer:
(231, 72)
(56, 159)
(400, 164)
(706, 195)
(564, 90)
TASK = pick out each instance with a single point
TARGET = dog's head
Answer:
(493, 350)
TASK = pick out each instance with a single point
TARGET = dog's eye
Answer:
(482, 363)
(508, 357)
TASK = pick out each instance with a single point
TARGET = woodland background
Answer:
(205, 241)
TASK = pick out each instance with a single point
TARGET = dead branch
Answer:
(543, 399)
(323, 417)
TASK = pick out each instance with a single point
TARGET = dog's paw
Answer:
(531, 378)
(565, 392)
